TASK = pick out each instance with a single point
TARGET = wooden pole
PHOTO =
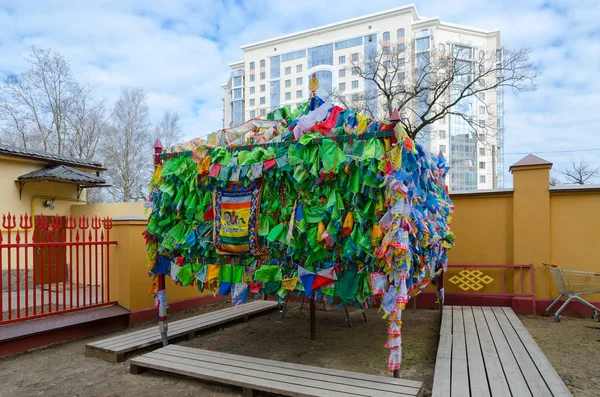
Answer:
(396, 373)
(313, 318)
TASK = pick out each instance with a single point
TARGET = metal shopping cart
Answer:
(572, 284)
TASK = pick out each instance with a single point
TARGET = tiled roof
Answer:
(62, 173)
(54, 159)
(530, 160)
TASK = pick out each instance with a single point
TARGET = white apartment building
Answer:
(275, 73)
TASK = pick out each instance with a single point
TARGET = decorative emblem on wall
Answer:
(470, 279)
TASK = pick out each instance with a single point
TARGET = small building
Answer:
(37, 183)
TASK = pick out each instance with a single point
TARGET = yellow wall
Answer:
(129, 273)
(574, 223)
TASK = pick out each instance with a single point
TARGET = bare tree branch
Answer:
(580, 173)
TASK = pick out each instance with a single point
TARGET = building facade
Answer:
(275, 73)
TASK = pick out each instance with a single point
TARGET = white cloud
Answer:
(178, 52)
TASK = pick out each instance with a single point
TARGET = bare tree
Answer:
(426, 86)
(87, 123)
(128, 147)
(554, 181)
(169, 130)
(35, 104)
(580, 173)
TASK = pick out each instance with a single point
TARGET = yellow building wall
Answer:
(574, 242)
(111, 210)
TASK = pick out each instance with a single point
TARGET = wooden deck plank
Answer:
(551, 377)
(307, 372)
(493, 367)
(514, 377)
(443, 361)
(459, 385)
(478, 382)
(249, 307)
(239, 380)
(266, 375)
(534, 379)
(307, 368)
(122, 344)
(177, 329)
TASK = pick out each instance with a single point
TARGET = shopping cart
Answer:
(572, 284)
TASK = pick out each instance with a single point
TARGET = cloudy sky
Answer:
(178, 52)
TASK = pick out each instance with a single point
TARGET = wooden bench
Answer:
(255, 374)
(487, 351)
(114, 349)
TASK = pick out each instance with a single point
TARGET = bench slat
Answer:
(274, 367)
(266, 375)
(441, 380)
(493, 367)
(459, 373)
(478, 382)
(114, 349)
(553, 380)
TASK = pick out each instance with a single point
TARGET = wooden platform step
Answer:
(255, 374)
(115, 349)
(487, 351)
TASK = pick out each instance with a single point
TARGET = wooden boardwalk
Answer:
(488, 352)
(114, 349)
(255, 374)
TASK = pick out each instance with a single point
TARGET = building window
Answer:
(252, 89)
(252, 65)
(482, 165)
(387, 64)
(482, 96)
(342, 98)
(463, 52)
(385, 49)
(481, 109)
(275, 67)
(481, 54)
(355, 71)
(423, 44)
(262, 63)
(262, 75)
(342, 59)
(400, 33)
(288, 83)
(298, 68)
(388, 78)
(354, 84)
(370, 38)
(443, 121)
(299, 94)
(386, 36)
(442, 134)
(293, 55)
(482, 151)
(237, 81)
(237, 93)
(288, 70)
(355, 97)
(442, 49)
(354, 57)
(252, 101)
(340, 45)
(298, 80)
(482, 123)
(263, 88)
(443, 148)
(401, 62)
(342, 86)
(263, 112)
(342, 73)
(262, 100)
(252, 77)
(321, 55)
(401, 47)
(252, 114)
(288, 96)
(482, 82)
(481, 178)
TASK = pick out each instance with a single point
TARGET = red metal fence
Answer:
(52, 265)
(474, 281)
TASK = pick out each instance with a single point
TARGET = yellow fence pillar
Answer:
(129, 279)
(531, 219)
